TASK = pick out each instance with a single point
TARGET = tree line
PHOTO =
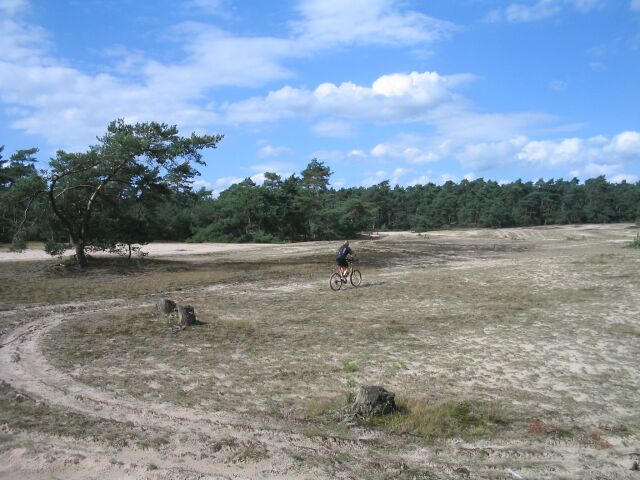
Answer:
(136, 185)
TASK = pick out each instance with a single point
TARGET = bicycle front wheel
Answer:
(335, 282)
(356, 278)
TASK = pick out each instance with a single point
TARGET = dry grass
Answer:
(20, 412)
(468, 420)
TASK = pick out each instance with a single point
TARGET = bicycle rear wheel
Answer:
(356, 278)
(335, 281)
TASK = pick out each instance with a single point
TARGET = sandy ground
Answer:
(567, 355)
(152, 249)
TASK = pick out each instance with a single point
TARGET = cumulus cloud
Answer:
(581, 157)
(625, 145)
(521, 151)
(394, 97)
(407, 149)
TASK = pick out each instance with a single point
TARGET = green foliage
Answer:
(20, 207)
(55, 249)
(19, 243)
(350, 367)
(134, 186)
(635, 243)
(120, 190)
(445, 420)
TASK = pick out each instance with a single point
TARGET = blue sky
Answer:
(406, 91)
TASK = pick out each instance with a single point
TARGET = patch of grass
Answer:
(467, 420)
(635, 243)
(344, 457)
(20, 412)
(350, 367)
(399, 365)
(315, 408)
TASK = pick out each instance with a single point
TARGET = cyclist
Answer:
(341, 259)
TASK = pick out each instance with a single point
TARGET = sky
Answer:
(402, 90)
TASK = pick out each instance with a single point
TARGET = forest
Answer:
(136, 185)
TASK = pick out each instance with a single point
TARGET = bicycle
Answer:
(353, 274)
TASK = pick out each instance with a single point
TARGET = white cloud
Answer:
(406, 148)
(462, 125)
(271, 151)
(592, 169)
(625, 145)
(541, 9)
(375, 178)
(398, 174)
(357, 153)
(394, 97)
(219, 8)
(627, 177)
(430, 178)
(521, 151)
(12, 7)
(197, 184)
(331, 22)
(585, 6)
(528, 13)
(70, 107)
(490, 154)
(635, 5)
(394, 178)
(225, 182)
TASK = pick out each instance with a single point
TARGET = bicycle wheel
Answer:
(335, 282)
(356, 278)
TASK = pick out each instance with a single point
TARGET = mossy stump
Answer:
(166, 306)
(374, 401)
(186, 315)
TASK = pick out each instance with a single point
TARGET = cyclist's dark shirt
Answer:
(343, 252)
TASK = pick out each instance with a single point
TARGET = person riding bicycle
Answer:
(341, 258)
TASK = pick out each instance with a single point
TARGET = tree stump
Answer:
(373, 400)
(186, 315)
(166, 306)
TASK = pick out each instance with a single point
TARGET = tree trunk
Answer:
(80, 255)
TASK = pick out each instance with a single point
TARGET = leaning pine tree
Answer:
(95, 194)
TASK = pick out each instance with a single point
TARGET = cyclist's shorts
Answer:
(342, 261)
